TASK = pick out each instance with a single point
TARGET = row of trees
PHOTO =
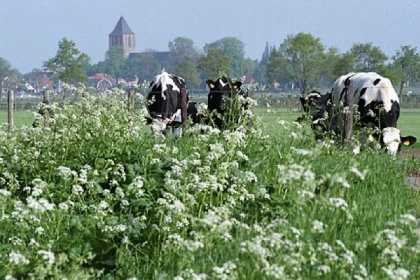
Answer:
(300, 60)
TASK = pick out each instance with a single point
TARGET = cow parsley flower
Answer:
(338, 203)
(4, 192)
(65, 172)
(318, 226)
(77, 189)
(17, 258)
(407, 219)
(358, 173)
(397, 273)
(47, 256)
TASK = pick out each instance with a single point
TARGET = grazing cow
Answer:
(167, 103)
(377, 104)
(220, 91)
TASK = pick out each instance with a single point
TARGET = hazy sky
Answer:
(31, 29)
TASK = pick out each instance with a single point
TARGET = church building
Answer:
(123, 36)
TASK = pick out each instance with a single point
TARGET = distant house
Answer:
(40, 82)
(102, 81)
(9, 82)
(247, 81)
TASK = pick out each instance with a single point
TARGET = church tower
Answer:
(123, 36)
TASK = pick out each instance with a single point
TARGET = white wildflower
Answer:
(338, 203)
(103, 205)
(77, 189)
(17, 258)
(4, 192)
(39, 230)
(407, 219)
(48, 256)
(358, 173)
(318, 226)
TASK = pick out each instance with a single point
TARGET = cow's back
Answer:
(369, 88)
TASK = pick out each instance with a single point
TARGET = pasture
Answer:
(98, 196)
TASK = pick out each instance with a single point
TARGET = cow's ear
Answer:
(408, 140)
(210, 83)
(237, 85)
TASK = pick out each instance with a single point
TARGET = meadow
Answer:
(97, 196)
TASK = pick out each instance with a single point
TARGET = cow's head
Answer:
(220, 91)
(392, 140)
(319, 108)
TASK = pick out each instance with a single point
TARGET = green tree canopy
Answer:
(180, 48)
(406, 62)
(145, 65)
(366, 58)
(114, 61)
(300, 59)
(232, 48)
(214, 64)
(187, 69)
(67, 65)
(5, 68)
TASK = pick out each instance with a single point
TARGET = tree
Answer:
(367, 58)
(5, 68)
(273, 66)
(300, 59)
(232, 48)
(407, 62)
(114, 61)
(145, 65)
(261, 68)
(179, 49)
(332, 60)
(214, 64)
(67, 65)
(187, 69)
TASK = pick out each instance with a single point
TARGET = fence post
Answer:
(184, 105)
(348, 116)
(131, 102)
(46, 102)
(10, 102)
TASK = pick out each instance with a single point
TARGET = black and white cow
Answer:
(167, 100)
(377, 104)
(220, 92)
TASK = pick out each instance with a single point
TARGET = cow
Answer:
(377, 106)
(222, 91)
(167, 101)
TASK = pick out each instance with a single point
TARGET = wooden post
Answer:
(46, 102)
(349, 116)
(10, 102)
(184, 105)
(131, 102)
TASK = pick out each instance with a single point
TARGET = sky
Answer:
(31, 29)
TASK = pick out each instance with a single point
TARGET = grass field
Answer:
(408, 123)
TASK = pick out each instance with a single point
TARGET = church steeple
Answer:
(123, 36)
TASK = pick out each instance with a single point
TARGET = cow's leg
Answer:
(177, 132)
